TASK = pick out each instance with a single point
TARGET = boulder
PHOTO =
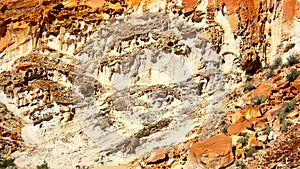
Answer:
(263, 90)
(216, 152)
(159, 155)
(239, 127)
(253, 141)
(251, 112)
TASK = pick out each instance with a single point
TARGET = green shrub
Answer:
(224, 128)
(292, 60)
(249, 87)
(248, 78)
(257, 100)
(240, 164)
(281, 117)
(43, 166)
(289, 106)
(277, 62)
(235, 95)
(267, 131)
(7, 163)
(243, 140)
(292, 75)
(284, 126)
(270, 73)
(249, 151)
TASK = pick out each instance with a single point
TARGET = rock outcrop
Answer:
(10, 133)
(216, 152)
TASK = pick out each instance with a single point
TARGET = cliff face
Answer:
(103, 82)
(254, 32)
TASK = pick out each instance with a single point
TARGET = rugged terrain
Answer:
(150, 84)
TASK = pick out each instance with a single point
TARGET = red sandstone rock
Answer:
(132, 3)
(262, 90)
(289, 10)
(297, 9)
(215, 152)
(247, 13)
(159, 154)
(4, 42)
(95, 3)
(296, 83)
(253, 141)
(188, 5)
(270, 113)
(282, 85)
(261, 124)
(248, 113)
(237, 128)
(236, 117)
(297, 98)
(231, 6)
(251, 112)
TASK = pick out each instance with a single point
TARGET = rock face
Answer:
(150, 72)
(10, 132)
(101, 82)
(215, 152)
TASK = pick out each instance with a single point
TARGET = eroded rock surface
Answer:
(101, 82)
(155, 73)
(10, 133)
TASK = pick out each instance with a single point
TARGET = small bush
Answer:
(7, 163)
(289, 106)
(270, 73)
(43, 166)
(224, 128)
(249, 151)
(240, 164)
(267, 131)
(257, 100)
(284, 126)
(243, 140)
(292, 75)
(292, 60)
(248, 78)
(277, 62)
(235, 95)
(249, 87)
(281, 117)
